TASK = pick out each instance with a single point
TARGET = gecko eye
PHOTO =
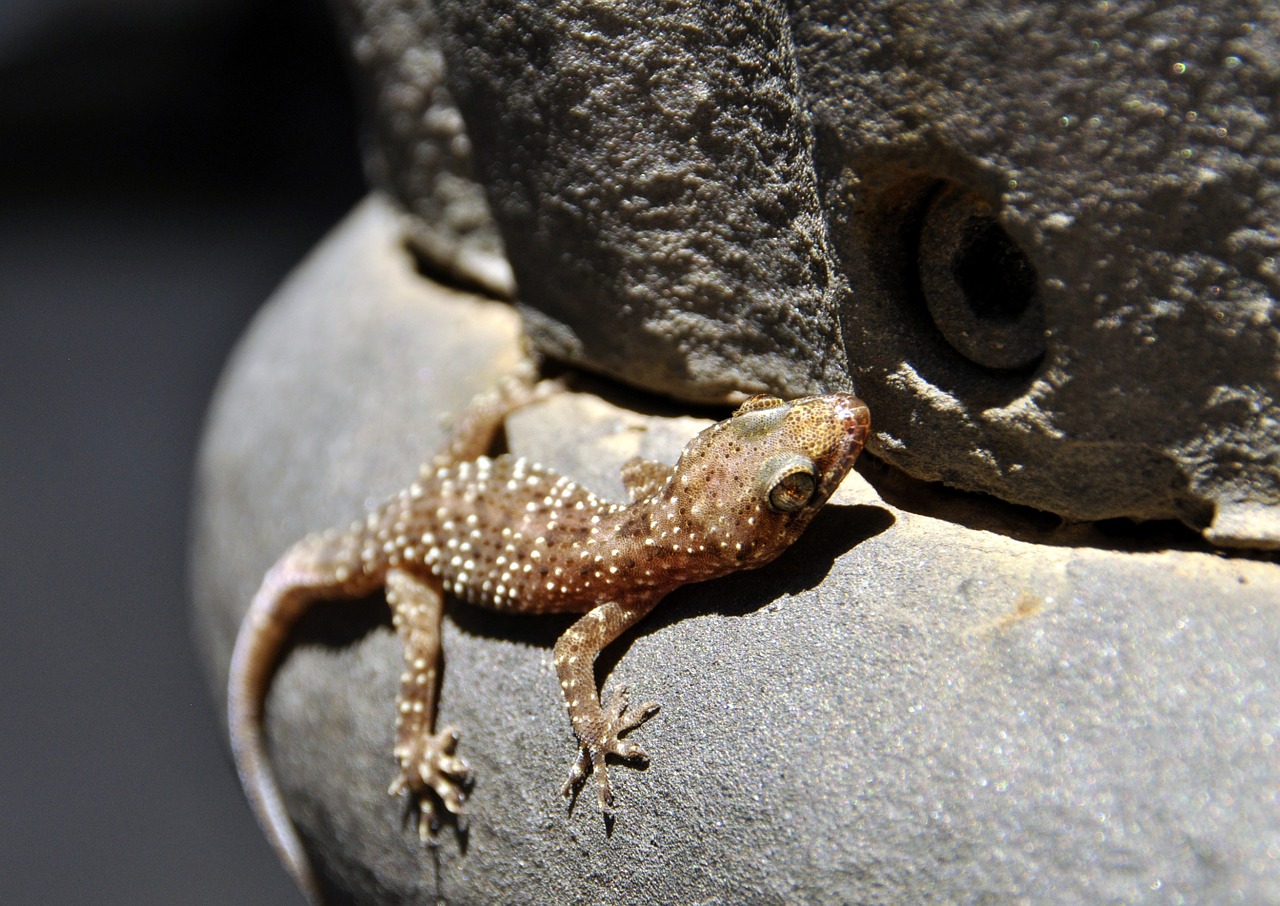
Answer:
(792, 483)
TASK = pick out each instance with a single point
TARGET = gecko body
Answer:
(511, 535)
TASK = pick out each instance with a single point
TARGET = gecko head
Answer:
(749, 485)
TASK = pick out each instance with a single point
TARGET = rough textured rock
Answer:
(651, 168)
(1108, 170)
(1040, 240)
(932, 697)
(418, 149)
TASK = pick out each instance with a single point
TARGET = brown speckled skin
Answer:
(511, 535)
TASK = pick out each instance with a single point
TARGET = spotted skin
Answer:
(508, 534)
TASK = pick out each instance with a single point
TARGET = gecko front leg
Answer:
(427, 761)
(598, 730)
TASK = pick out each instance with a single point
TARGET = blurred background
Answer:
(163, 164)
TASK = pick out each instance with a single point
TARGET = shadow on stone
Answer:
(339, 623)
(834, 532)
(982, 512)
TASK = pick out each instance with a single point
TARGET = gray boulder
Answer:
(932, 697)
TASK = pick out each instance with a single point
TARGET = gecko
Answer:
(512, 535)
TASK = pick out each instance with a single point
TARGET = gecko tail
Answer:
(259, 643)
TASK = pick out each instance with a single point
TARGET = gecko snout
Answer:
(856, 418)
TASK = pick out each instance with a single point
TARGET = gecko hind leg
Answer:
(430, 769)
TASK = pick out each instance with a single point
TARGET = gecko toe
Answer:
(635, 717)
(631, 751)
(619, 719)
(604, 796)
(578, 773)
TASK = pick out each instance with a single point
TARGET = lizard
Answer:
(509, 534)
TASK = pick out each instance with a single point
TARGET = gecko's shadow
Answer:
(835, 531)
(338, 622)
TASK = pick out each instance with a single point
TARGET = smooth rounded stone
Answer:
(1041, 243)
(302, 433)
(926, 699)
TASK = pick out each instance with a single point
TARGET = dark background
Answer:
(163, 163)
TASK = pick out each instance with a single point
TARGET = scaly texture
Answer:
(511, 535)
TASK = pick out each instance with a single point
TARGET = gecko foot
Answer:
(429, 766)
(618, 720)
